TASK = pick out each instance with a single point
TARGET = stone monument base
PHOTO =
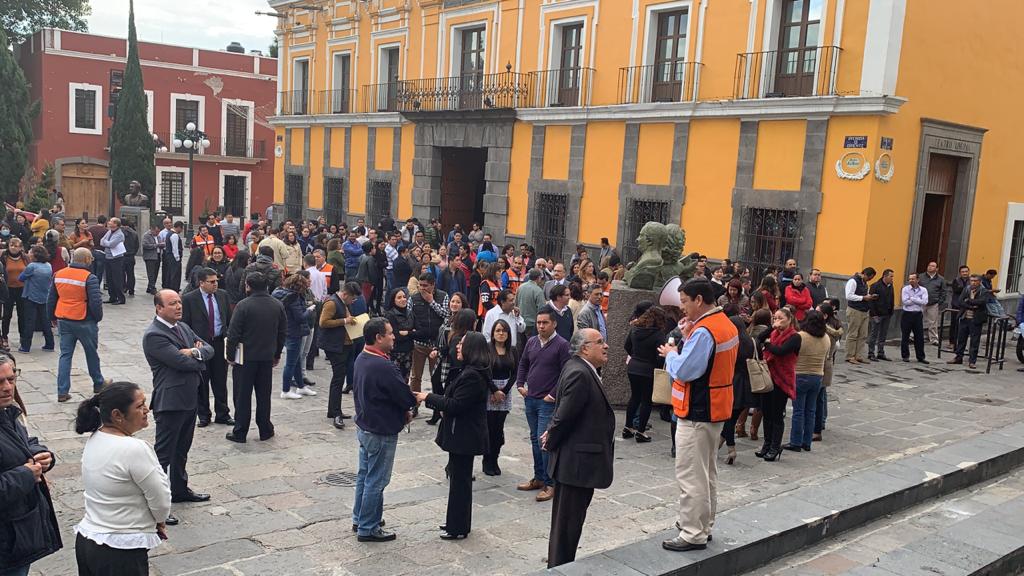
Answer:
(621, 303)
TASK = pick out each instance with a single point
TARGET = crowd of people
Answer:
(400, 308)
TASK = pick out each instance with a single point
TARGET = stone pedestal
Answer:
(621, 303)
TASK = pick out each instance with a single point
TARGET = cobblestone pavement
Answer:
(271, 513)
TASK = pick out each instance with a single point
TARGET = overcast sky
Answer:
(211, 24)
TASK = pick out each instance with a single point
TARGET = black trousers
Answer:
(254, 375)
(968, 328)
(912, 323)
(729, 428)
(215, 378)
(568, 512)
(640, 389)
(13, 303)
(115, 278)
(339, 366)
(773, 410)
(495, 433)
(459, 519)
(172, 274)
(129, 274)
(314, 349)
(152, 272)
(101, 560)
(174, 431)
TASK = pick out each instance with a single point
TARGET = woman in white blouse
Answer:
(127, 495)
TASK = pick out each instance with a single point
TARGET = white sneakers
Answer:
(291, 395)
(306, 391)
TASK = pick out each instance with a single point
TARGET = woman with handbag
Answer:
(781, 347)
(810, 366)
(646, 335)
(742, 398)
(463, 430)
(760, 321)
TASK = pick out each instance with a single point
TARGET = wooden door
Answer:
(798, 55)
(569, 75)
(937, 217)
(669, 57)
(86, 188)
(462, 186)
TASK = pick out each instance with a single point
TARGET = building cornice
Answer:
(215, 158)
(338, 120)
(169, 65)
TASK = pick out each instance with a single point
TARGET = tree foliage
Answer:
(21, 18)
(272, 51)
(131, 143)
(16, 111)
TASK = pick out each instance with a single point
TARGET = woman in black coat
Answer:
(742, 397)
(646, 334)
(463, 430)
(399, 315)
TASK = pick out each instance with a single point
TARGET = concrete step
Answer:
(751, 536)
(973, 531)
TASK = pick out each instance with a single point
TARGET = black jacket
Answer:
(194, 313)
(642, 346)
(581, 430)
(428, 318)
(883, 306)
(401, 319)
(131, 241)
(957, 287)
(977, 304)
(463, 428)
(401, 272)
(28, 525)
(259, 324)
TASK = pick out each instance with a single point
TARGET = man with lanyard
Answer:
(702, 372)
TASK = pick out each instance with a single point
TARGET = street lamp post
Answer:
(193, 140)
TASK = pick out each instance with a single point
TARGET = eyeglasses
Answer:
(599, 342)
(13, 379)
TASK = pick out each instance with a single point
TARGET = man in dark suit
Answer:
(174, 251)
(177, 358)
(579, 441)
(255, 339)
(208, 313)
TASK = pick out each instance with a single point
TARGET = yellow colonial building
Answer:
(843, 133)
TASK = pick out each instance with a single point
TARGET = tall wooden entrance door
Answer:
(462, 186)
(936, 222)
(86, 188)
(798, 54)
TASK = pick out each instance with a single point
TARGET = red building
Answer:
(228, 95)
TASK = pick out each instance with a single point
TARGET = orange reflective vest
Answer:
(72, 296)
(207, 244)
(709, 398)
(488, 295)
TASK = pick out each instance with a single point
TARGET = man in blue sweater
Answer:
(383, 404)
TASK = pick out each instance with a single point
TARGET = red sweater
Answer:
(799, 298)
(780, 353)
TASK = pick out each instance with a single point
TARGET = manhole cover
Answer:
(979, 400)
(339, 479)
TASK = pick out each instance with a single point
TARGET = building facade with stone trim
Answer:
(837, 132)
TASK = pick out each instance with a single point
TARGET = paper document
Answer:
(356, 330)
(239, 355)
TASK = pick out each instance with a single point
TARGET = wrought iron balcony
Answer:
(807, 71)
(561, 87)
(466, 92)
(661, 82)
(296, 102)
(230, 147)
(337, 101)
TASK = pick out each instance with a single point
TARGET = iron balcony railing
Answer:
(296, 103)
(660, 82)
(341, 101)
(219, 146)
(807, 71)
(561, 87)
(466, 92)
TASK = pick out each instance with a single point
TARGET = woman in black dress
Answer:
(463, 430)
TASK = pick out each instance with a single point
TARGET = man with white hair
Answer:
(76, 303)
(113, 254)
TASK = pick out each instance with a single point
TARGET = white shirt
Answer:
(317, 283)
(914, 299)
(517, 323)
(195, 351)
(126, 492)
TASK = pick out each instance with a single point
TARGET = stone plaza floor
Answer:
(273, 513)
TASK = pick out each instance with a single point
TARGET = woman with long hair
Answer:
(37, 278)
(399, 315)
(292, 295)
(463, 433)
(588, 272)
(834, 329)
(292, 253)
(781, 348)
(233, 276)
(760, 321)
(810, 367)
(59, 256)
(13, 262)
(742, 397)
(646, 334)
(769, 290)
(230, 247)
(798, 296)
(127, 494)
(734, 295)
(504, 363)
(461, 321)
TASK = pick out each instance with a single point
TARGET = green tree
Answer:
(16, 112)
(272, 52)
(131, 143)
(21, 18)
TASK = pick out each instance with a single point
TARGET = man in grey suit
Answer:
(579, 439)
(177, 358)
(590, 314)
(558, 272)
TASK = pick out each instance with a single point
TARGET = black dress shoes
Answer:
(228, 420)
(446, 536)
(378, 536)
(355, 527)
(266, 436)
(203, 423)
(344, 416)
(231, 436)
(677, 544)
(171, 521)
(338, 423)
(190, 496)
(308, 382)
(792, 447)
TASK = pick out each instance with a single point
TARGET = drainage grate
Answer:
(985, 400)
(339, 479)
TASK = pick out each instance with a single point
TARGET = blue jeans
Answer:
(71, 333)
(821, 414)
(538, 413)
(376, 460)
(804, 408)
(293, 359)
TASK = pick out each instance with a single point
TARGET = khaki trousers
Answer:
(856, 333)
(420, 356)
(931, 323)
(697, 474)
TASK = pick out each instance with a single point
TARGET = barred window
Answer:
(85, 109)
(333, 208)
(293, 196)
(172, 192)
(378, 202)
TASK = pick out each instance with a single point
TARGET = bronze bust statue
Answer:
(135, 197)
(661, 259)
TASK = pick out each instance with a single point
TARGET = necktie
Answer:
(177, 331)
(209, 314)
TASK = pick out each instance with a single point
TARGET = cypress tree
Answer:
(16, 111)
(131, 142)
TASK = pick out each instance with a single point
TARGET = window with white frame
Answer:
(236, 128)
(562, 81)
(85, 108)
(234, 191)
(187, 108)
(1013, 249)
(171, 192)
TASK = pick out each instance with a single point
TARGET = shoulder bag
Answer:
(760, 378)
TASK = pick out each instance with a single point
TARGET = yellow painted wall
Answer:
(278, 166)
(780, 154)
(654, 154)
(357, 172)
(405, 183)
(602, 172)
(725, 35)
(338, 148)
(298, 146)
(518, 195)
(710, 178)
(316, 168)
(556, 152)
(384, 151)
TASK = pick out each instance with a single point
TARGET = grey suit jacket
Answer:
(587, 317)
(176, 377)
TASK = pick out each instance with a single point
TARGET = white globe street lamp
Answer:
(191, 126)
